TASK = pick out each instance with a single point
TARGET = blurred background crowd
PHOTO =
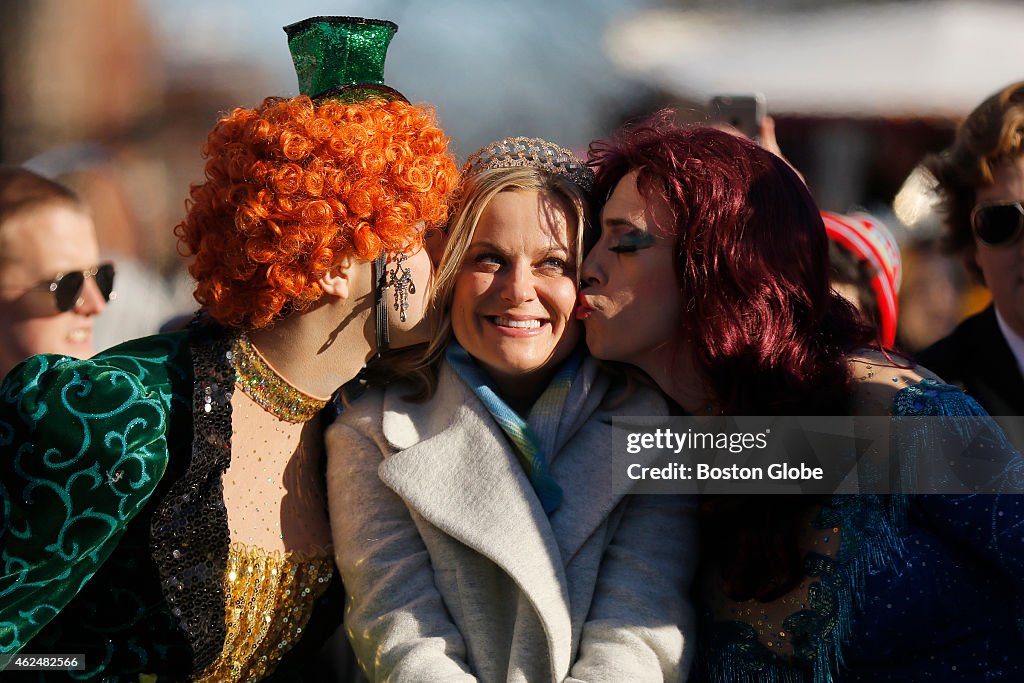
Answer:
(114, 98)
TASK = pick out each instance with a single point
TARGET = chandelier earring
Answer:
(400, 279)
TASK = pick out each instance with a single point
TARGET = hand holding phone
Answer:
(745, 113)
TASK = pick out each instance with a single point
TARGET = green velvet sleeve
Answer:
(83, 445)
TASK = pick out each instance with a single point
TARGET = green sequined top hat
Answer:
(342, 57)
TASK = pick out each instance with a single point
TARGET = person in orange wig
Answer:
(164, 501)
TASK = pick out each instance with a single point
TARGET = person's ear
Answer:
(971, 258)
(338, 280)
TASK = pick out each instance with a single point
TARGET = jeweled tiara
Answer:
(519, 151)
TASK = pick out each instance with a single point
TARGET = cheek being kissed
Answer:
(514, 298)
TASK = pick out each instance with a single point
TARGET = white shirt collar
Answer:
(1014, 340)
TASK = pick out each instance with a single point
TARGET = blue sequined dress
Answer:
(910, 588)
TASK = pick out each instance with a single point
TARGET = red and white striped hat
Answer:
(870, 240)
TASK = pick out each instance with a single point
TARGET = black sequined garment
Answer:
(143, 543)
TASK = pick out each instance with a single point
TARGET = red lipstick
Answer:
(583, 310)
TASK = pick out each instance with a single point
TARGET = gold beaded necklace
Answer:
(263, 384)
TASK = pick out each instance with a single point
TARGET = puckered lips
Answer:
(583, 309)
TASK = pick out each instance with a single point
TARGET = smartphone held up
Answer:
(745, 113)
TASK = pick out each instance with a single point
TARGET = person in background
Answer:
(980, 182)
(866, 268)
(866, 265)
(51, 280)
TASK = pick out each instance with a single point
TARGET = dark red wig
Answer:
(751, 263)
(768, 334)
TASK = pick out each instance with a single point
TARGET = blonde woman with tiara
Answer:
(476, 526)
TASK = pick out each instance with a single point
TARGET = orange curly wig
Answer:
(292, 185)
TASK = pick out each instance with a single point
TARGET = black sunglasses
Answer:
(998, 225)
(67, 287)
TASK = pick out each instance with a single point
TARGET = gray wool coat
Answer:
(455, 573)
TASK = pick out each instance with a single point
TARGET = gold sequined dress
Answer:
(269, 597)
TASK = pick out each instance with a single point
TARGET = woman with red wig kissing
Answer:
(711, 274)
(164, 512)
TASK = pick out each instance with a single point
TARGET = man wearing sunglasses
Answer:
(981, 185)
(51, 280)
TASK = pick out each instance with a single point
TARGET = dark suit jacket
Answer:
(975, 356)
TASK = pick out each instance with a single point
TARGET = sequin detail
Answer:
(891, 570)
(341, 56)
(269, 599)
(269, 390)
(786, 625)
(189, 536)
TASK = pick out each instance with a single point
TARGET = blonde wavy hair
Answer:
(420, 365)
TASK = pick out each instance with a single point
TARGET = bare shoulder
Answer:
(877, 377)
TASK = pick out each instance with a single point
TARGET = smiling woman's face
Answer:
(513, 302)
